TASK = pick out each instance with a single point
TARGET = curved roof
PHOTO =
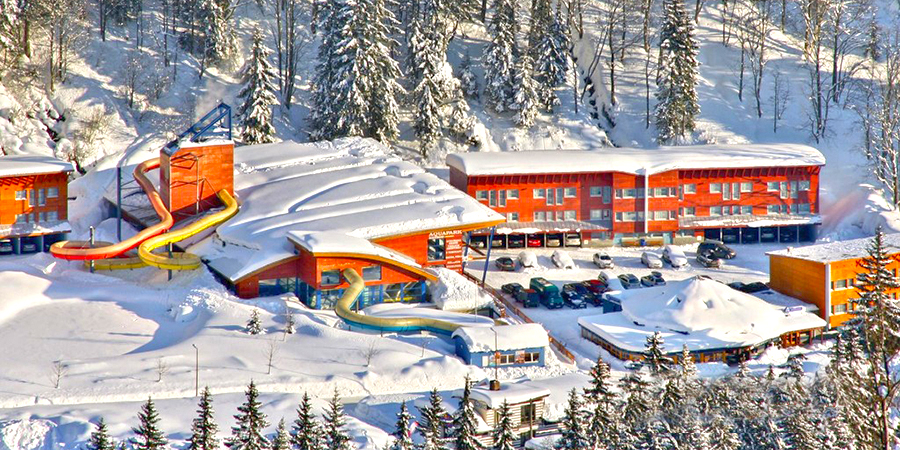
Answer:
(18, 165)
(636, 160)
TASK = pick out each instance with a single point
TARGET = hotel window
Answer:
(493, 201)
(502, 194)
(841, 284)
(746, 187)
(596, 191)
(481, 195)
(793, 189)
(21, 218)
(630, 193)
(772, 209)
(371, 273)
(540, 216)
(839, 309)
(22, 195)
(437, 250)
(331, 277)
(512, 194)
(715, 188)
(32, 196)
(538, 193)
(551, 196)
(747, 210)
(512, 217)
(42, 197)
(570, 215)
(599, 214)
(783, 190)
(805, 209)
(690, 188)
(640, 192)
(795, 208)
(735, 191)
(52, 192)
(715, 210)
(772, 186)
(607, 194)
(688, 211)
(52, 216)
(804, 185)
(571, 192)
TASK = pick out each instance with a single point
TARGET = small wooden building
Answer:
(502, 346)
(527, 405)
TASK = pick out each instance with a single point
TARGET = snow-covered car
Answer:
(708, 259)
(575, 295)
(612, 282)
(629, 281)
(653, 279)
(603, 260)
(527, 258)
(674, 256)
(562, 259)
(651, 260)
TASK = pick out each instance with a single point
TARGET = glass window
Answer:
(481, 195)
(772, 186)
(596, 191)
(736, 191)
(747, 210)
(570, 215)
(839, 309)
(640, 192)
(841, 284)
(512, 217)
(715, 188)
(551, 196)
(596, 214)
(52, 192)
(540, 216)
(42, 197)
(620, 193)
(52, 216)
(512, 194)
(538, 193)
(371, 273)
(795, 208)
(715, 211)
(804, 185)
(607, 194)
(44, 216)
(772, 209)
(805, 209)
(21, 195)
(620, 217)
(493, 198)
(688, 211)
(630, 193)
(726, 191)
(746, 187)
(690, 188)
(793, 189)
(571, 192)
(331, 277)
(32, 196)
(437, 249)
(21, 218)
(783, 189)
(528, 412)
(502, 194)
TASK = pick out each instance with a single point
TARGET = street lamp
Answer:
(196, 370)
(496, 382)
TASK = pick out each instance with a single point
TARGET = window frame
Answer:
(715, 188)
(481, 195)
(428, 250)
(539, 193)
(322, 277)
(379, 270)
(748, 186)
(512, 194)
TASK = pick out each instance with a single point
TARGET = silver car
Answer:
(651, 260)
(603, 261)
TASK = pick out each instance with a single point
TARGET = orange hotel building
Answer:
(627, 196)
(33, 203)
(826, 274)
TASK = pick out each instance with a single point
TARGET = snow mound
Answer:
(454, 292)
(27, 435)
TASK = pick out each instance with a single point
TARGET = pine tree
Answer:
(500, 55)
(468, 80)
(721, 433)
(504, 436)
(203, 427)
(402, 437)
(574, 430)
(100, 439)
(251, 421)
(335, 437)
(254, 325)
(149, 436)
(637, 406)
(220, 41)
(603, 424)
(525, 97)
(549, 49)
(281, 441)
(306, 433)
(655, 356)
(427, 123)
(432, 426)
(258, 94)
(677, 104)
(464, 423)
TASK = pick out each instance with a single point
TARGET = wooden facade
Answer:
(526, 418)
(34, 197)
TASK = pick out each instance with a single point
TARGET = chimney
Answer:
(495, 385)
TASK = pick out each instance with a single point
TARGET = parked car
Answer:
(6, 246)
(674, 256)
(534, 241)
(575, 295)
(529, 298)
(596, 288)
(708, 259)
(653, 279)
(749, 288)
(29, 247)
(573, 240)
(515, 241)
(612, 282)
(512, 288)
(562, 259)
(629, 281)
(651, 260)
(603, 260)
(548, 291)
(505, 264)
(717, 248)
(527, 258)
(552, 241)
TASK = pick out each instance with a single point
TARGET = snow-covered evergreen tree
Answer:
(525, 96)
(464, 423)
(504, 435)
(254, 324)
(500, 56)
(100, 439)
(432, 427)
(220, 41)
(603, 423)
(688, 367)
(250, 424)
(9, 24)
(204, 427)
(306, 433)
(721, 434)
(467, 79)
(550, 53)
(149, 436)
(335, 436)
(282, 440)
(258, 95)
(427, 124)
(575, 434)
(655, 356)
(637, 404)
(677, 104)
(402, 437)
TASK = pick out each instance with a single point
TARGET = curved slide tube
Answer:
(398, 324)
(83, 250)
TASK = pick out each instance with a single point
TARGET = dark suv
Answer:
(716, 248)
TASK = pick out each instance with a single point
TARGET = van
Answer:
(548, 291)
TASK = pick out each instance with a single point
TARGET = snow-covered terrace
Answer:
(19, 165)
(698, 312)
(637, 161)
(352, 187)
(838, 251)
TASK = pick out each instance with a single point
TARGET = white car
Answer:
(612, 282)
(562, 259)
(674, 256)
(651, 260)
(603, 261)
(527, 258)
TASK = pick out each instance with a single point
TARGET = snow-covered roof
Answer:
(17, 165)
(508, 337)
(635, 160)
(352, 187)
(838, 251)
(330, 242)
(700, 312)
(748, 220)
(512, 393)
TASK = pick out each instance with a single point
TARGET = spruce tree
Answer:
(100, 439)
(468, 80)
(254, 325)
(281, 441)
(603, 423)
(721, 433)
(574, 429)
(465, 423)
(203, 427)
(306, 432)
(525, 96)
(549, 47)
(335, 437)
(149, 436)
(504, 435)
(220, 42)
(637, 406)
(677, 104)
(402, 437)
(500, 56)
(251, 421)
(258, 95)
(655, 356)
(432, 426)
(427, 124)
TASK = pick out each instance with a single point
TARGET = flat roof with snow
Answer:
(503, 338)
(838, 251)
(18, 165)
(636, 161)
(330, 192)
(510, 393)
(698, 312)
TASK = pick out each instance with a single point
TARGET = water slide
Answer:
(343, 309)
